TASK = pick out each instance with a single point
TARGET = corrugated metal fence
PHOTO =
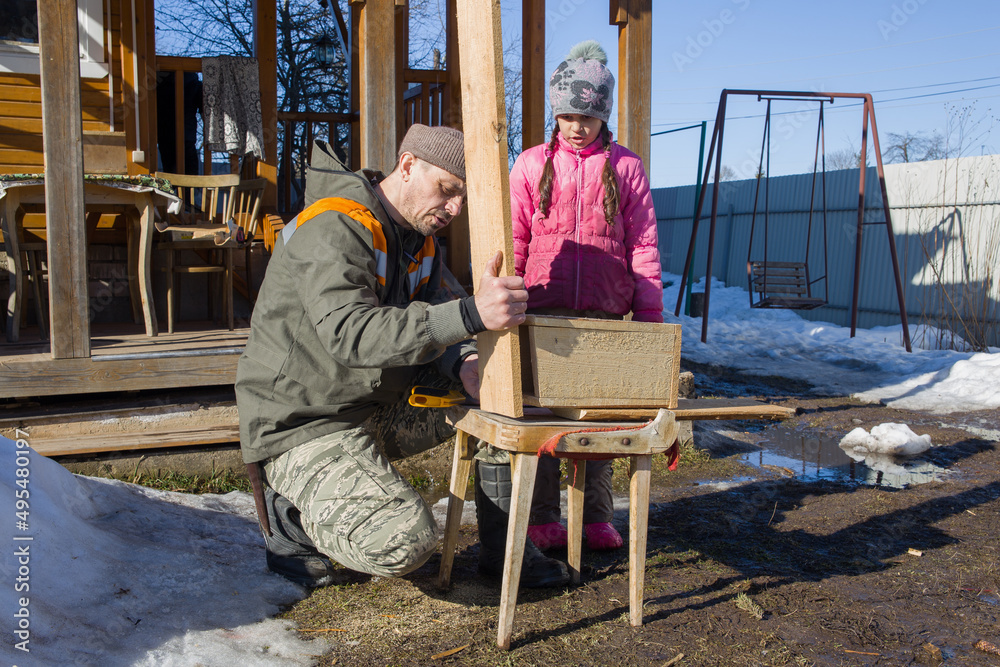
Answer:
(946, 218)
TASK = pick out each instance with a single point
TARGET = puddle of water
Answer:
(811, 457)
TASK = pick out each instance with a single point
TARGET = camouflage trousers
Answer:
(356, 507)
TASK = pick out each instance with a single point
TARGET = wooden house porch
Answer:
(66, 119)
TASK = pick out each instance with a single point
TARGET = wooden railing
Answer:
(298, 130)
(426, 103)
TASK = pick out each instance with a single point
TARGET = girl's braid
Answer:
(545, 182)
(612, 197)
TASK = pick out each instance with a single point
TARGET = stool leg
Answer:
(638, 522)
(523, 469)
(461, 467)
(574, 523)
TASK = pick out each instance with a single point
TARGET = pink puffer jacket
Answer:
(573, 258)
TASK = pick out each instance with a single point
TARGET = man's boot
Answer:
(290, 552)
(493, 488)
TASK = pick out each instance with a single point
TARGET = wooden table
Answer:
(136, 203)
(521, 438)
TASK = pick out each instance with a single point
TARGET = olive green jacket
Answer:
(329, 342)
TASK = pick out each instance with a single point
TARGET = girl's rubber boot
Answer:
(493, 489)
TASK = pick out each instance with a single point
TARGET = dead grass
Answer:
(168, 480)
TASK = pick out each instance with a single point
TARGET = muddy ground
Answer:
(763, 569)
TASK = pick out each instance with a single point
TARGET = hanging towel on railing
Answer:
(231, 104)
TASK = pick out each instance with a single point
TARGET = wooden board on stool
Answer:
(686, 409)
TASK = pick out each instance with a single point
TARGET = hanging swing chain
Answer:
(764, 142)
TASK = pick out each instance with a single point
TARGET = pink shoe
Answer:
(602, 536)
(548, 535)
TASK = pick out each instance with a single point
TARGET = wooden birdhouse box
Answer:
(571, 362)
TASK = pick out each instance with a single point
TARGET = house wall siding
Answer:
(21, 109)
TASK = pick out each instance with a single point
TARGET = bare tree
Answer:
(913, 147)
(727, 173)
(969, 130)
(225, 27)
(845, 158)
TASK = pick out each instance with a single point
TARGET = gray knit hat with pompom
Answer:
(582, 84)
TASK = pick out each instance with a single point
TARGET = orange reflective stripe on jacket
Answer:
(420, 267)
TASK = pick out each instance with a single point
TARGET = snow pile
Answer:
(873, 366)
(888, 439)
(107, 573)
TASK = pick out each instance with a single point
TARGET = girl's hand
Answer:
(468, 373)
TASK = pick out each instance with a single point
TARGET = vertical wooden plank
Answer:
(62, 137)
(523, 470)
(425, 104)
(638, 525)
(148, 72)
(635, 66)
(488, 187)
(265, 48)
(129, 91)
(286, 157)
(15, 265)
(378, 85)
(354, 98)
(402, 54)
(574, 523)
(533, 84)
(179, 119)
(453, 65)
(461, 467)
(459, 250)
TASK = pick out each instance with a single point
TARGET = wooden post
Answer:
(130, 95)
(635, 65)
(265, 48)
(459, 250)
(377, 65)
(488, 184)
(401, 43)
(354, 97)
(62, 140)
(533, 82)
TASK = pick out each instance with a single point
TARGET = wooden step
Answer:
(125, 429)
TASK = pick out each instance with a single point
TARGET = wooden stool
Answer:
(522, 439)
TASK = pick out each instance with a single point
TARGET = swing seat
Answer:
(781, 285)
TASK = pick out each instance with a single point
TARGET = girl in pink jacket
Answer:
(585, 243)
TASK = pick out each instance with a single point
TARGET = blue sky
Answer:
(912, 55)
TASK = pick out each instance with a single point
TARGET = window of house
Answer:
(19, 37)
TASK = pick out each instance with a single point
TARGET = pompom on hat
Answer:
(582, 84)
(440, 145)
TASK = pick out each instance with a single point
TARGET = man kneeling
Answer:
(348, 318)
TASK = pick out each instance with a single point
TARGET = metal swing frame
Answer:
(715, 153)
